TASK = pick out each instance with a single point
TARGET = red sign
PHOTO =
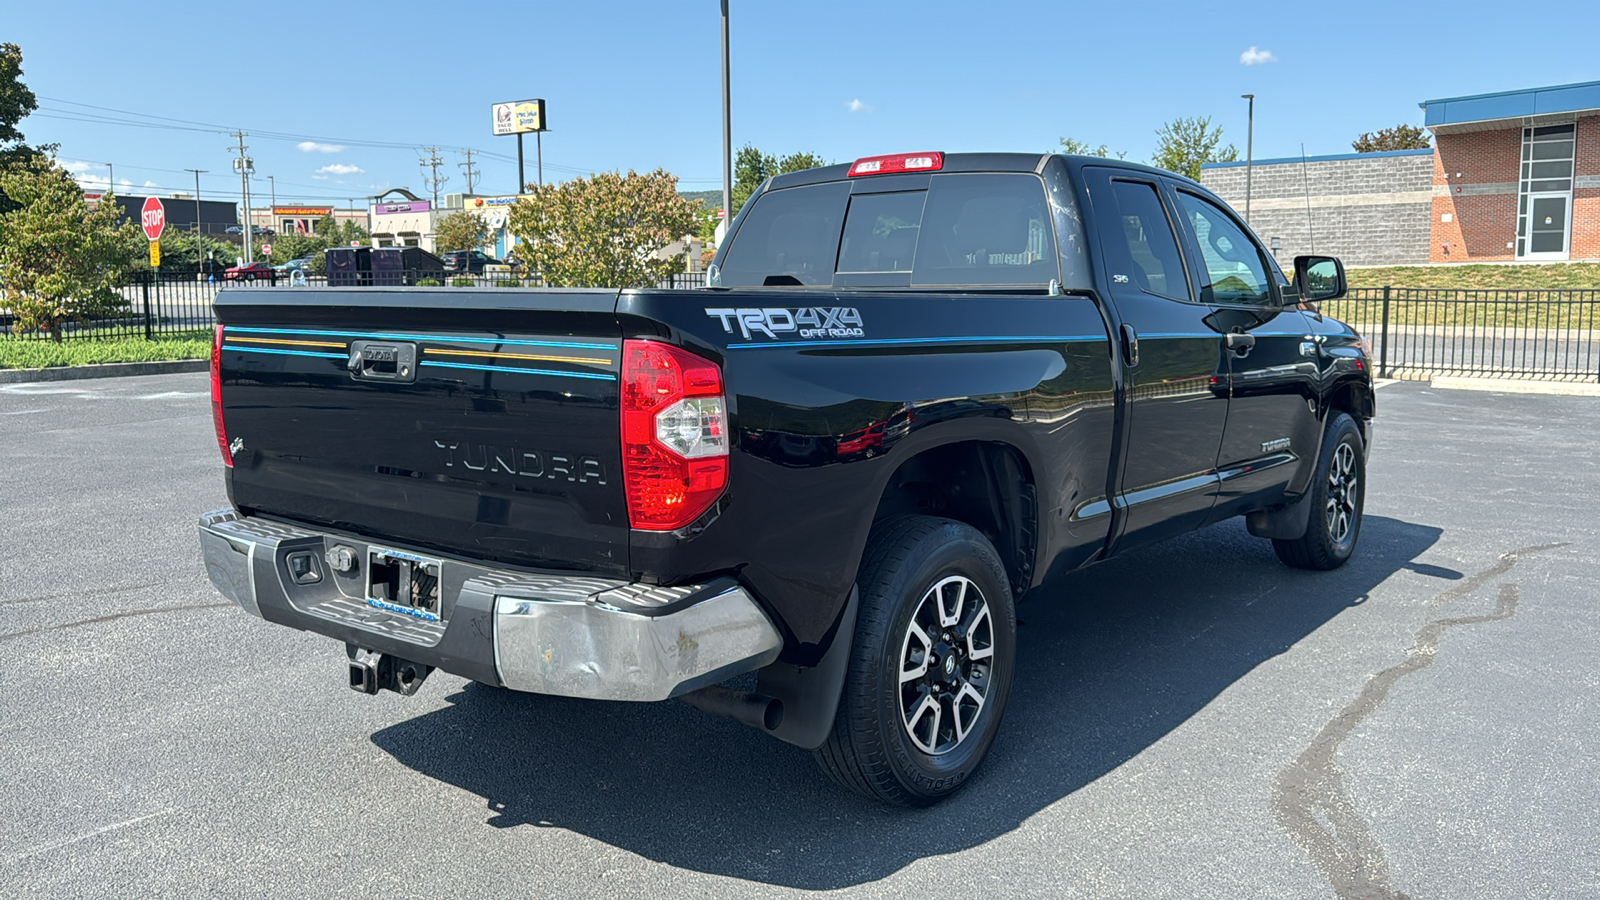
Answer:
(153, 218)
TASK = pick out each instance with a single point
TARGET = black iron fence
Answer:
(1510, 334)
(155, 305)
(1414, 333)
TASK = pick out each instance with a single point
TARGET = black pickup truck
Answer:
(918, 387)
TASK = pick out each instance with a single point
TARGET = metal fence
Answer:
(1415, 333)
(165, 305)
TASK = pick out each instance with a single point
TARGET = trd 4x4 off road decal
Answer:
(807, 322)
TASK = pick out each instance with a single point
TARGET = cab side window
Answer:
(1234, 270)
(1141, 244)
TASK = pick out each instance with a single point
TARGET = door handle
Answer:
(1130, 345)
(1239, 342)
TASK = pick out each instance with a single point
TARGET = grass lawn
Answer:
(1551, 277)
(31, 353)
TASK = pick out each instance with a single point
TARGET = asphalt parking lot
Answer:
(1195, 720)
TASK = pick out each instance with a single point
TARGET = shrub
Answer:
(462, 281)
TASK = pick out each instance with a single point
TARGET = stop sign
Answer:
(153, 218)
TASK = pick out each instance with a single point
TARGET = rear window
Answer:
(965, 229)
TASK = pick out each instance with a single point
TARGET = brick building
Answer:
(1512, 177)
(1516, 175)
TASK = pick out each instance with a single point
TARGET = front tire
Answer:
(1337, 498)
(930, 667)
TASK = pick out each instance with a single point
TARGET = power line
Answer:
(169, 123)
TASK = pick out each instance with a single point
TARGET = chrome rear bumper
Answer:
(571, 636)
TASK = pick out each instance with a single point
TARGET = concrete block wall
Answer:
(1368, 210)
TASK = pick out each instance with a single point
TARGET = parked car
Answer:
(303, 264)
(469, 261)
(257, 230)
(917, 388)
(249, 273)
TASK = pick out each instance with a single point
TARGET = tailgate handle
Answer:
(383, 361)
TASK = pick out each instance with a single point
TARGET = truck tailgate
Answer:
(476, 422)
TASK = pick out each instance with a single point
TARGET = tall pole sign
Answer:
(520, 117)
(153, 219)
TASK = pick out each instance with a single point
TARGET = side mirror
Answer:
(1318, 278)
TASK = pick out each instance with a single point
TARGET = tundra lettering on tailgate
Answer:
(527, 463)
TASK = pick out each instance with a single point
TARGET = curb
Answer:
(1512, 386)
(103, 370)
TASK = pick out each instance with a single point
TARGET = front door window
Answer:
(1547, 224)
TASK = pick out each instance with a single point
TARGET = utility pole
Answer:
(274, 184)
(111, 180)
(244, 165)
(197, 174)
(727, 128)
(472, 176)
(432, 162)
(1249, 153)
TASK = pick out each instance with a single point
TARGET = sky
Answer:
(338, 98)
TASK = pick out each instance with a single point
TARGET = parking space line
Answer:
(56, 845)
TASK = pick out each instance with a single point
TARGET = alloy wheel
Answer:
(946, 659)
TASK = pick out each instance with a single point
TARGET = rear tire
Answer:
(1337, 498)
(930, 667)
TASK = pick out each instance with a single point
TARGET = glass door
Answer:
(1549, 222)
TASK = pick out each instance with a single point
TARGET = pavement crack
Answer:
(1309, 797)
(111, 618)
(79, 592)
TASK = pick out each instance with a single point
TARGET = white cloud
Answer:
(314, 147)
(341, 169)
(1255, 57)
(857, 106)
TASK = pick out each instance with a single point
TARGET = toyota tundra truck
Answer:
(809, 496)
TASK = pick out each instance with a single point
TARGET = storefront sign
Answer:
(482, 202)
(312, 211)
(518, 116)
(411, 206)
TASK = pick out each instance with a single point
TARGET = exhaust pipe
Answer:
(371, 672)
(759, 711)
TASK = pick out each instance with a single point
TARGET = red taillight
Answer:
(897, 162)
(674, 435)
(216, 397)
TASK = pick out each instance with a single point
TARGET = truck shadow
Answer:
(1110, 659)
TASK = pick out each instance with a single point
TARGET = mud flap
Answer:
(811, 694)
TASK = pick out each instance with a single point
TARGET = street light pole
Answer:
(1249, 153)
(111, 180)
(274, 183)
(197, 174)
(727, 128)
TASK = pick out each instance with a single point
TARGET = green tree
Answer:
(186, 251)
(61, 259)
(327, 232)
(1400, 137)
(16, 101)
(751, 167)
(1184, 145)
(603, 231)
(1084, 148)
(460, 230)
